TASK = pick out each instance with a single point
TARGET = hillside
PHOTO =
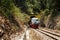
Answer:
(14, 14)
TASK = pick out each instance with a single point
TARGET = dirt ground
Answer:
(33, 35)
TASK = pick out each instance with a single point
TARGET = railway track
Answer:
(51, 32)
(52, 35)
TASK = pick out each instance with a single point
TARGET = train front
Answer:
(34, 23)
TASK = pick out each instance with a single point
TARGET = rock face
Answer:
(1, 32)
(58, 22)
(52, 22)
(7, 27)
(4, 28)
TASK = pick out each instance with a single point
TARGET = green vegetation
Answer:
(33, 6)
(39, 7)
(47, 9)
(8, 7)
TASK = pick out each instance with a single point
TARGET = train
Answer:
(34, 23)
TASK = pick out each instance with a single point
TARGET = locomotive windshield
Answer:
(34, 20)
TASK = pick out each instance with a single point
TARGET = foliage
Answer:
(35, 6)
